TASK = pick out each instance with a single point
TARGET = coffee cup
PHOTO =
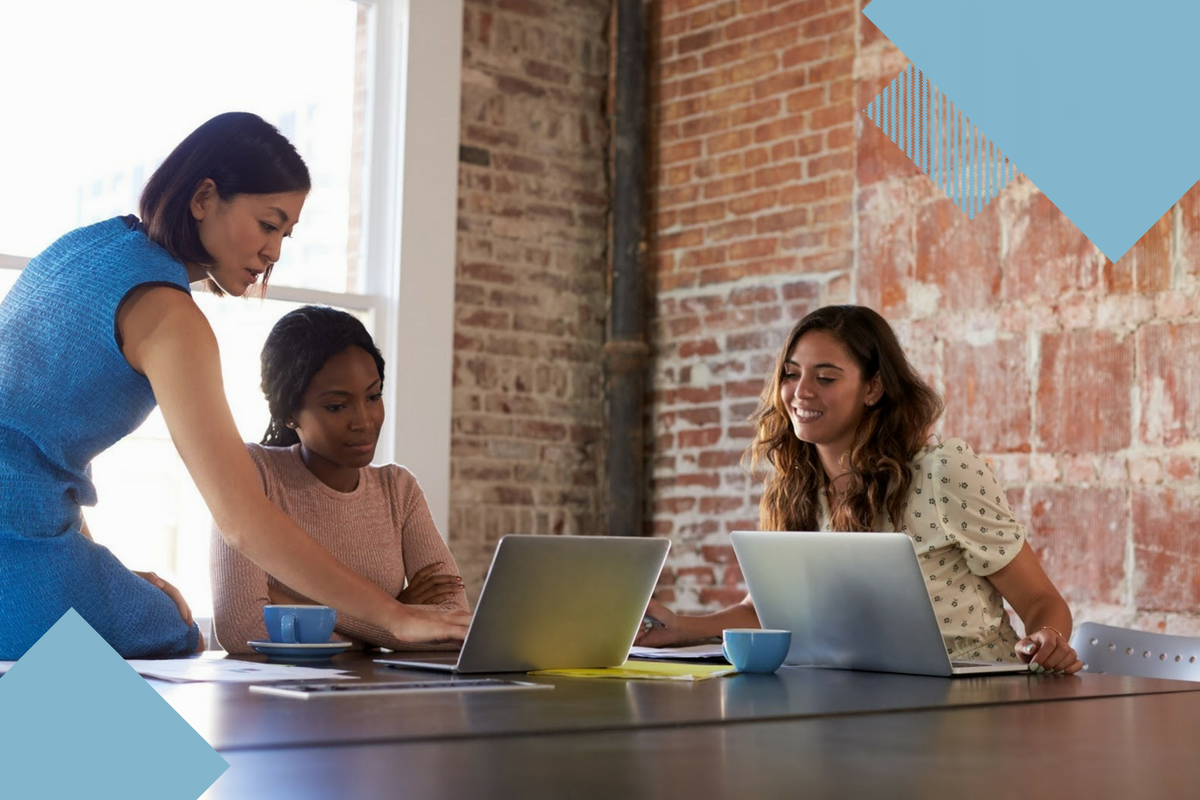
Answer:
(299, 624)
(755, 649)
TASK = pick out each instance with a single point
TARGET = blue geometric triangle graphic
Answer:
(939, 139)
(1093, 98)
(78, 722)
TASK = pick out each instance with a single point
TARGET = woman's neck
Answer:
(335, 476)
(833, 463)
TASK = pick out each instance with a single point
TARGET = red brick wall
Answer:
(530, 292)
(754, 146)
(1078, 377)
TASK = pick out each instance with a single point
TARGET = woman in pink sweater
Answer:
(323, 378)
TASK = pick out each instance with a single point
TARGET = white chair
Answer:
(1122, 651)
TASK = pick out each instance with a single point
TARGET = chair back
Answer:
(1122, 651)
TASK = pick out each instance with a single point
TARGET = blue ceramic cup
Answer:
(299, 624)
(755, 649)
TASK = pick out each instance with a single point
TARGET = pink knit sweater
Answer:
(382, 530)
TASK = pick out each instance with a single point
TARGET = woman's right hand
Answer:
(424, 625)
(664, 629)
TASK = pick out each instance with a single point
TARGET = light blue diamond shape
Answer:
(78, 722)
(941, 140)
(1091, 97)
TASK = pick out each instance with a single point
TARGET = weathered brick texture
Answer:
(772, 195)
(530, 293)
(1079, 378)
(752, 227)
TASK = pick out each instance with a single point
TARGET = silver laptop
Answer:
(556, 602)
(851, 601)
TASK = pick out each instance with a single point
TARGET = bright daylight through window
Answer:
(103, 98)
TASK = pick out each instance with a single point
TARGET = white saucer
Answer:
(300, 651)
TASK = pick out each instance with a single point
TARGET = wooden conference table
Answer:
(798, 733)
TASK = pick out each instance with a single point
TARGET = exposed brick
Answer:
(1166, 550)
(696, 41)
(758, 294)
(715, 459)
(1169, 383)
(1083, 396)
(1182, 468)
(1189, 233)
(1039, 342)
(806, 99)
(958, 255)
(1146, 267)
(754, 203)
(1080, 534)
(987, 400)
(824, 26)
(805, 53)
(1047, 255)
(704, 480)
(877, 157)
(887, 247)
(1145, 470)
(717, 504)
(734, 229)
(527, 370)
(781, 221)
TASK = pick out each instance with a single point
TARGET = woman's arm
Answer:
(168, 340)
(678, 629)
(185, 611)
(423, 548)
(974, 507)
(1025, 585)
(239, 588)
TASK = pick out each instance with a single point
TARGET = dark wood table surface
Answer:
(232, 718)
(1123, 748)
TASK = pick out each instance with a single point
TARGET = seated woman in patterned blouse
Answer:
(323, 378)
(844, 425)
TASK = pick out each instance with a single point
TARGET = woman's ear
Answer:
(203, 199)
(874, 390)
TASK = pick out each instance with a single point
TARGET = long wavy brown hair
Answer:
(890, 435)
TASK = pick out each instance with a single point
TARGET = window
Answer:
(335, 77)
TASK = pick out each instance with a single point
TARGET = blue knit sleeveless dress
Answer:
(67, 394)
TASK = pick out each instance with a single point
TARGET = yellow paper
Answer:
(647, 670)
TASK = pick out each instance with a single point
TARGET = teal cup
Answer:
(299, 624)
(755, 649)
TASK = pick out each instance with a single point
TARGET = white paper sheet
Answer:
(677, 653)
(216, 668)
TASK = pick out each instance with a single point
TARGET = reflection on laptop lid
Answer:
(851, 601)
(557, 602)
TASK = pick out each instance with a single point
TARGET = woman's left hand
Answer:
(1047, 650)
(429, 587)
(184, 610)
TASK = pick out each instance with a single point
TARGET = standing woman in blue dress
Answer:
(99, 328)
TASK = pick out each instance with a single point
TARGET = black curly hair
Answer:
(296, 349)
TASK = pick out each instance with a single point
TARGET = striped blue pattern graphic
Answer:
(940, 140)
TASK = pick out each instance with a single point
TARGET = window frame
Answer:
(410, 151)
(414, 180)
